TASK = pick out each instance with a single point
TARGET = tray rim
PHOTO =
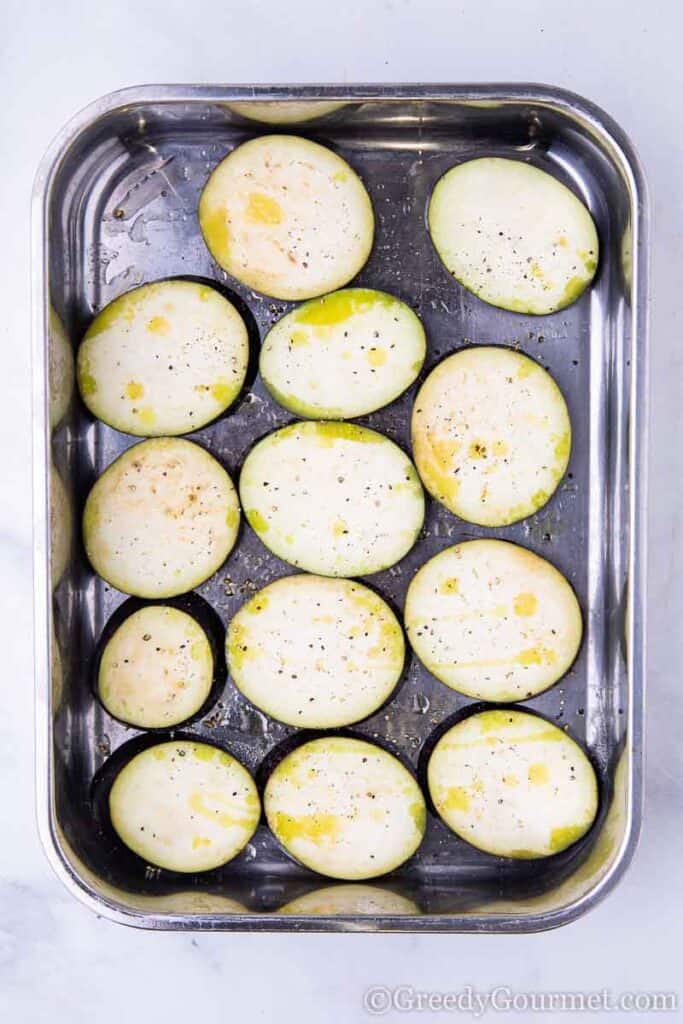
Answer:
(600, 124)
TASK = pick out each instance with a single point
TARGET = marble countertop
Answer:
(56, 957)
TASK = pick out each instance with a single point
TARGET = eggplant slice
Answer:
(332, 498)
(156, 670)
(315, 652)
(184, 806)
(161, 519)
(491, 435)
(287, 217)
(513, 784)
(345, 808)
(493, 620)
(513, 235)
(344, 355)
(166, 358)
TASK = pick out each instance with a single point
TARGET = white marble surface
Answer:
(56, 958)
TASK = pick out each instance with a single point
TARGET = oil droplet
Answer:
(421, 704)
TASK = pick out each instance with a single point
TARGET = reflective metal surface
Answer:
(115, 205)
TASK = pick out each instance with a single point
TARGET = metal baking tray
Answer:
(115, 205)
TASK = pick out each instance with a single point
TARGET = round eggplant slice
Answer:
(493, 620)
(156, 670)
(161, 519)
(184, 806)
(287, 217)
(315, 652)
(352, 900)
(513, 235)
(491, 435)
(345, 808)
(343, 355)
(512, 784)
(166, 358)
(332, 498)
